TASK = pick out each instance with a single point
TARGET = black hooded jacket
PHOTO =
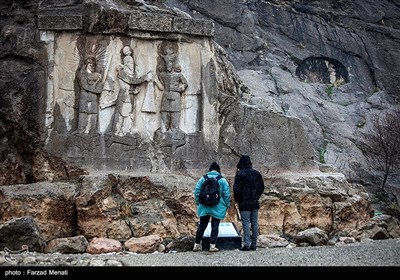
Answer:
(248, 185)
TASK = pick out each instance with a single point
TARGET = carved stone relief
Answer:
(173, 84)
(322, 70)
(125, 90)
(106, 85)
(129, 87)
(91, 78)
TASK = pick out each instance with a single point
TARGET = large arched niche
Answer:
(322, 70)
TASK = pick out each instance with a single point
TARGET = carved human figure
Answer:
(174, 84)
(129, 84)
(91, 86)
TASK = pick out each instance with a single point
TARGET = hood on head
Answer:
(214, 166)
(244, 162)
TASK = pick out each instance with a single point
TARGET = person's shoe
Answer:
(197, 247)
(245, 248)
(213, 248)
(253, 247)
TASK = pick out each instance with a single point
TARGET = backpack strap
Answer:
(216, 178)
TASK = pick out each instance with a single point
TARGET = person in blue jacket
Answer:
(216, 213)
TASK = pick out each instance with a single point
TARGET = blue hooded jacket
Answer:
(218, 211)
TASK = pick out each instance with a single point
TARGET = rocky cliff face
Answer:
(360, 34)
(341, 56)
(130, 86)
(122, 206)
(333, 64)
(23, 78)
(307, 79)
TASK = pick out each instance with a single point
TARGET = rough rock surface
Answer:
(272, 43)
(122, 206)
(269, 42)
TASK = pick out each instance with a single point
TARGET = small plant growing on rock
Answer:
(329, 89)
(322, 152)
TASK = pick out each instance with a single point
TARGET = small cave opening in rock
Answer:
(323, 70)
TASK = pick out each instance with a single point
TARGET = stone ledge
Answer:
(60, 22)
(150, 22)
(166, 23)
(141, 21)
(193, 26)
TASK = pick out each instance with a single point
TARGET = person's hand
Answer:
(118, 68)
(182, 87)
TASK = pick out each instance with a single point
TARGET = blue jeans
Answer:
(250, 221)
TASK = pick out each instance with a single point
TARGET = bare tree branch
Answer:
(383, 144)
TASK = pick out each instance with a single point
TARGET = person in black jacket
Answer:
(248, 187)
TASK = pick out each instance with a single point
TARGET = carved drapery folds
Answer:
(129, 86)
(109, 78)
(106, 87)
(174, 84)
(91, 78)
(125, 96)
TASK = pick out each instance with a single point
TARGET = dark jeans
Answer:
(202, 227)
